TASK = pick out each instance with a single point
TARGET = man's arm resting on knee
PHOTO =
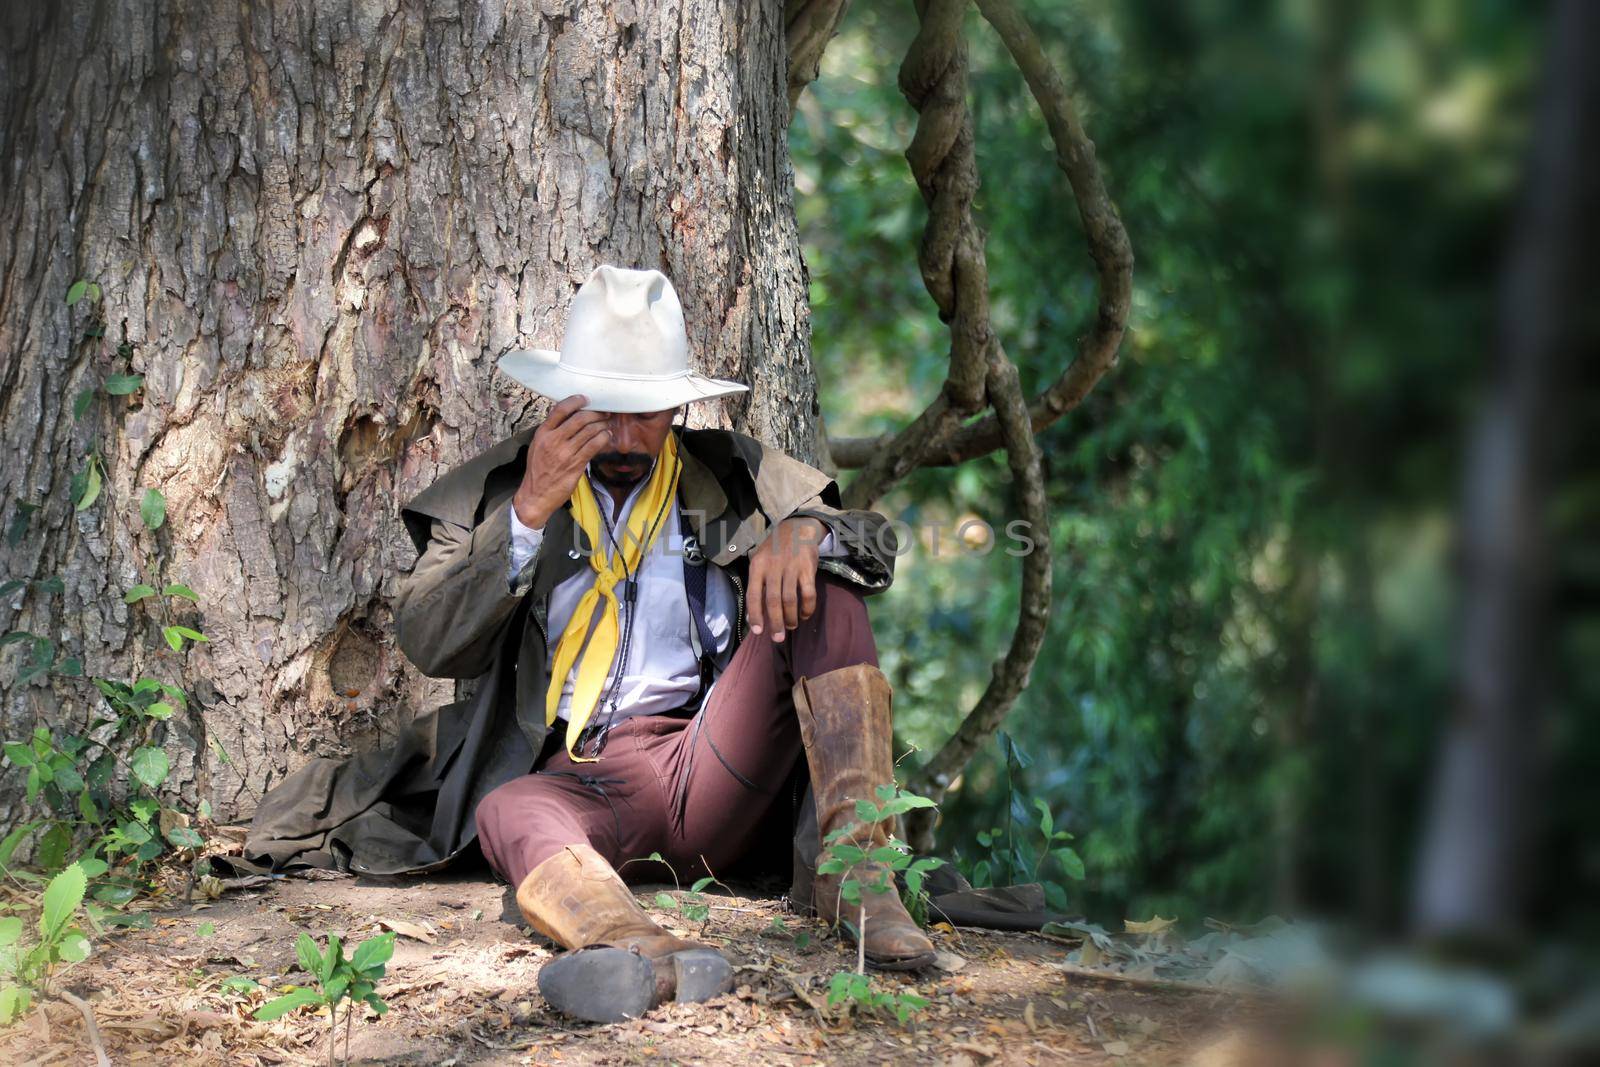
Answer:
(863, 545)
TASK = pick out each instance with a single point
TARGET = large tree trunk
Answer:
(317, 224)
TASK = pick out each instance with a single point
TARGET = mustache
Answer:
(623, 459)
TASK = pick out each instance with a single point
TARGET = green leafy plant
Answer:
(692, 903)
(877, 870)
(238, 985)
(1028, 847)
(96, 782)
(93, 794)
(779, 928)
(841, 856)
(338, 980)
(861, 993)
(27, 970)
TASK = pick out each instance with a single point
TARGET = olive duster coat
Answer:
(409, 808)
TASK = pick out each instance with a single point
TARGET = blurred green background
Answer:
(1237, 709)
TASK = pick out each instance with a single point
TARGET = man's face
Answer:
(636, 440)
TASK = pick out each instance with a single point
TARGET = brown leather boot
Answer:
(845, 725)
(620, 963)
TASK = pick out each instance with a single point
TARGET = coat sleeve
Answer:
(787, 487)
(866, 540)
(453, 608)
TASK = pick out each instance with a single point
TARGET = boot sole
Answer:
(609, 985)
(599, 985)
(703, 973)
(907, 963)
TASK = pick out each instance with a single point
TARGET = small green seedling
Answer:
(26, 972)
(877, 868)
(238, 985)
(694, 907)
(338, 979)
(778, 928)
(1029, 847)
(858, 991)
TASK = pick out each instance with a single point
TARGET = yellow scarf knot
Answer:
(595, 652)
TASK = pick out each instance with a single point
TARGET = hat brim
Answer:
(541, 370)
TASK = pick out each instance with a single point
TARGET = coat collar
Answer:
(699, 493)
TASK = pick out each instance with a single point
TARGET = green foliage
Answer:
(691, 904)
(337, 979)
(878, 867)
(153, 509)
(26, 970)
(95, 798)
(86, 483)
(239, 985)
(175, 636)
(861, 992)
(1028, 847)
(123, 384)
(1252, 620)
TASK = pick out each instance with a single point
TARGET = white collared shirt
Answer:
(662, 672)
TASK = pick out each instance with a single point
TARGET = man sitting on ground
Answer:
(660, 621)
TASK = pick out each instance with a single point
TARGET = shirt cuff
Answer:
(525, 542)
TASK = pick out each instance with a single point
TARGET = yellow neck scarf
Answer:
(594, 653)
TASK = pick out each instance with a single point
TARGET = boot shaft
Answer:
(575, 898)
(847, 727)
(848, 732)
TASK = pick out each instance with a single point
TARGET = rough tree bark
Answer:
(316, 225)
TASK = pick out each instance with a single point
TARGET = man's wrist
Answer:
(529, 512)
(812, 533)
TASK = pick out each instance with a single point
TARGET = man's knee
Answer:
(839, 632)
(838, 594)
(508, 807)
(523, 822)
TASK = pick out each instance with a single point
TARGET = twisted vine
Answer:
(951, 256)
(1108, 248)
(808, 26)
(933, 79)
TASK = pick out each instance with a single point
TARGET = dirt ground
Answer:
(461, 990)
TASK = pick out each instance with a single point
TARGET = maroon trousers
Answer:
(696, 790)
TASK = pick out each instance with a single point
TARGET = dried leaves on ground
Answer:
(462, 989)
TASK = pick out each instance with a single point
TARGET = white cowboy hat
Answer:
(625, 348)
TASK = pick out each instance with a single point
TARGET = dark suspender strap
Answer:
(694, 587)
(695, 569)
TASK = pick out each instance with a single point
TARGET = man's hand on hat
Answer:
(783, 577)
(560, 450)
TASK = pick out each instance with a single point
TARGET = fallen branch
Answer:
(1176, 985)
